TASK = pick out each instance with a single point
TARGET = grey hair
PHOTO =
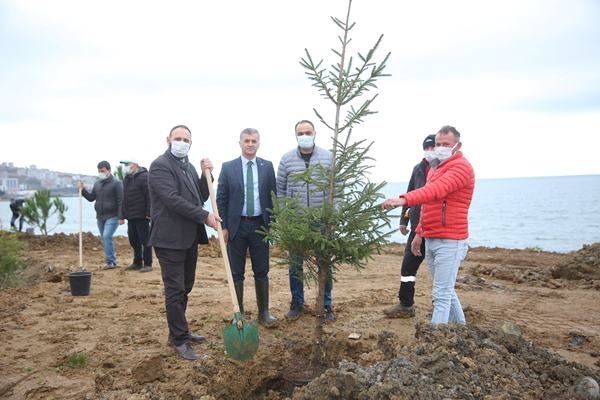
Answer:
(450, 129)
(249, 131)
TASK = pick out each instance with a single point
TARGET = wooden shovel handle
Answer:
(213, 202)
(80, 230)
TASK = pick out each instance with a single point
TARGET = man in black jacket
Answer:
(108, 194)
(15, 207)
(177, 195)
(410, 263)
(136, 210)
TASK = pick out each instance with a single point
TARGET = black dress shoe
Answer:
(187, 352)
(196, 338)
(133, 266)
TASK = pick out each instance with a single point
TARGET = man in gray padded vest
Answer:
(298, 160)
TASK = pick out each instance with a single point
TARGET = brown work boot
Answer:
(399, 311)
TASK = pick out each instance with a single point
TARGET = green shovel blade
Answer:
(241, 339)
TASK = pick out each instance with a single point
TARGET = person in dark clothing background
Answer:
(136, 210)
(15, 207)
(410, 262)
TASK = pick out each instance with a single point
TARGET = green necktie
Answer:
(249, 191)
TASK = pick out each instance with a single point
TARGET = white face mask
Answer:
(305, 141)
(103, 175)
(429, 155)
(126, 169)
(442, 153)
(179, 148)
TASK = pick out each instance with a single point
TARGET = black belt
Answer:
(254, 218)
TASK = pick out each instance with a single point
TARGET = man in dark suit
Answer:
(177, 196)
(244, 200)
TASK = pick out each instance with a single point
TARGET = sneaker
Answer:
(110, 266)
(329, 314)
(134, 266)
(146, 268)
(399, 311)
(295, 311)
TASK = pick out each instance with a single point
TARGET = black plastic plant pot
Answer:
(80, 283)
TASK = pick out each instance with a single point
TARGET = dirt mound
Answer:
(59, 240)
(580, 269)
(458, 362)
(582, 264)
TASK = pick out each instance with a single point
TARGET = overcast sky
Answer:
(83, 81)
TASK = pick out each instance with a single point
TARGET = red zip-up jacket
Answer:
(445, 200)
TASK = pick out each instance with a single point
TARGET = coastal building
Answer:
(21, 181)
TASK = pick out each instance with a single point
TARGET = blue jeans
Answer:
(444, 257)
(107, 229)
(14, 218)
(297, 283)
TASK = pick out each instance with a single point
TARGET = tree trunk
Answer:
(318, 351)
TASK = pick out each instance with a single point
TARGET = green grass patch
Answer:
(10, 260)
(77, 360)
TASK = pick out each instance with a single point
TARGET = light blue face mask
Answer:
(306, 141)
(179, 148)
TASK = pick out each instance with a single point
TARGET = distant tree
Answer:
(119, 173)
(38, 210)
(349, 227)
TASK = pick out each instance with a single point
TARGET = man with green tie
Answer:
(244, 200)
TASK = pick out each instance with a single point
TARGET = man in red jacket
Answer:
(445, 201)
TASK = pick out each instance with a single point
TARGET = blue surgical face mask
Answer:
(179, 148)
(306, 141)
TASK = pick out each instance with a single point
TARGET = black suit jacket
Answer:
(230, 192)
(177, 197)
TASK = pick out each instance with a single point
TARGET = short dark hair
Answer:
(450, 129)
(104, 164)
(304, 121)
(180, 126)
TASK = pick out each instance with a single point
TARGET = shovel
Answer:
(80, 281)
(240, 337)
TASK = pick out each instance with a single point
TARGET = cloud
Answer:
(112, 78)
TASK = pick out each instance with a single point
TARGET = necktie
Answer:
(249, 190)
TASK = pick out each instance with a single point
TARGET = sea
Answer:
(558, 214)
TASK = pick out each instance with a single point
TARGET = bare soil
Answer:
(532, 332)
